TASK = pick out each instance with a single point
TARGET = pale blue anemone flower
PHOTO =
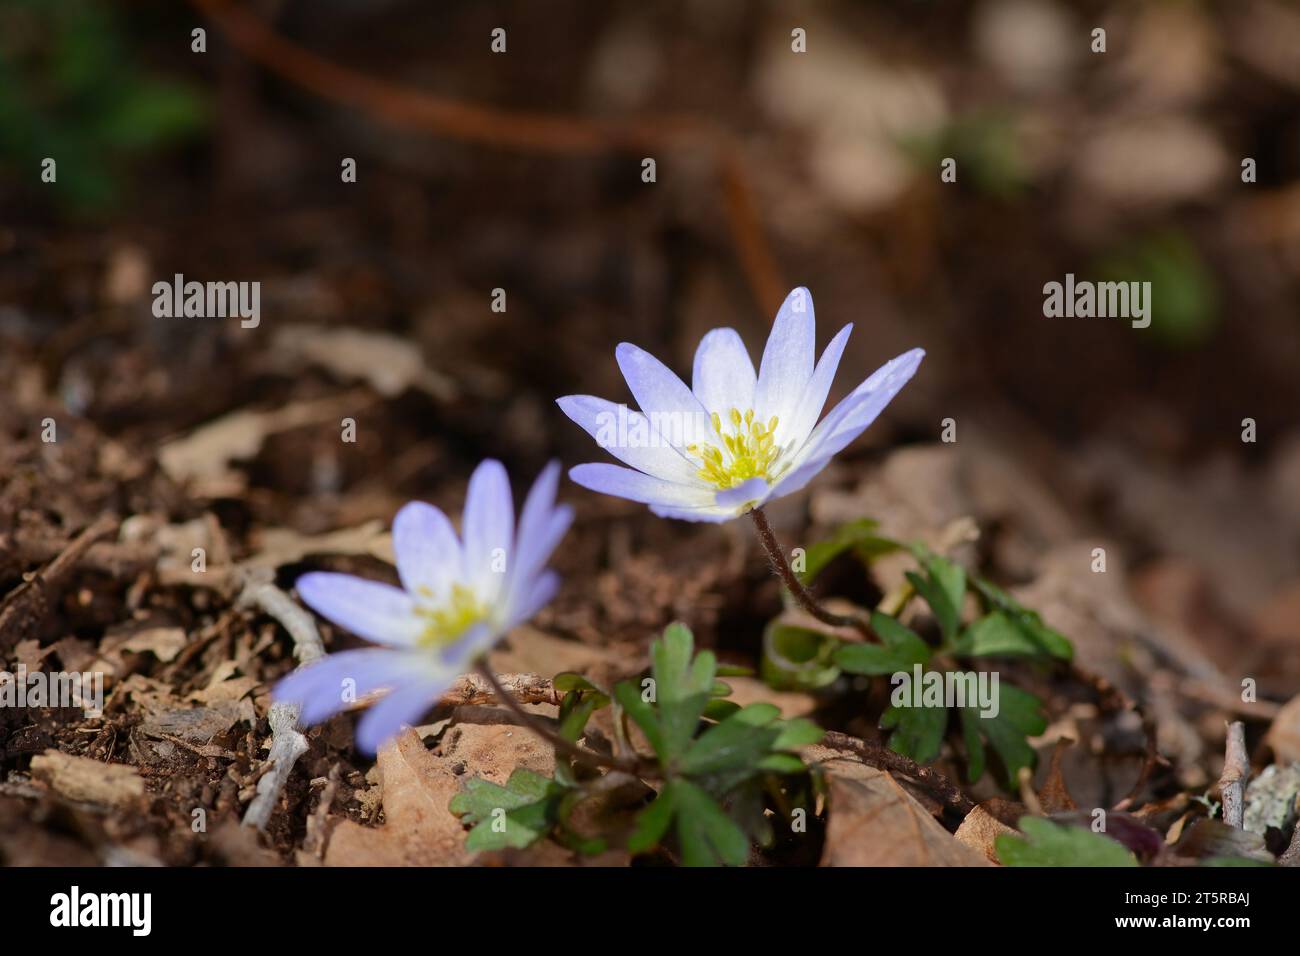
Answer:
(458, 597)
(735, 439)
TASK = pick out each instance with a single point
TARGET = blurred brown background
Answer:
(774, 168)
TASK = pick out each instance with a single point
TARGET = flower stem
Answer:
(581, 754)
(803, 597)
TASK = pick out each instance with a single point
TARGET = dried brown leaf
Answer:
(875, 822)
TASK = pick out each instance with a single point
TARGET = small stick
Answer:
(31, 597)
(314, 842)
(475, 689)
(287, 743)
(569, 749)
(803, 597)
(882, 758)
(1236, 771)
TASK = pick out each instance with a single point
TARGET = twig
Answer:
(287, 744)
(800, 593)
(581, 754)
(1025, 783)
(475, 689)
(314, 841)
(882, 758)
(1236, 771)
(529, 131)
(29, 600)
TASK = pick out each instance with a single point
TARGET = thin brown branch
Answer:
(475, 689)
(803, 597)
(882, 758)
(569, 749)
(29, 601)
(530, 131)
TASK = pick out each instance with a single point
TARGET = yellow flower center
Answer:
(747, 449)
(444, 624)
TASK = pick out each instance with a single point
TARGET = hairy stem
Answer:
(803, 597)
(882, 758)
(581, 754)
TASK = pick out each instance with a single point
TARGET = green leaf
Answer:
(653, 822)
(682, 688)
(901, 647)
(718, 709)
(945, 612)
(796, 733)
(857, 535)
(797, 658)
(643, 714)
(1019, 717)
(739, 741)
(575, 711)
(918, 731)
(1027, 622)
(734, 670)
(970, 734)
(996, 635)
(569, 682)
(949, 576)
(1048, 844)
(528, 804)
(706, 835)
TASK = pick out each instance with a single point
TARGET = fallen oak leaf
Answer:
(875, 822)
(980, 830)
(418, 787)
(419, 830)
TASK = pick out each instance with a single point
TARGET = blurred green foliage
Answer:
(71, 88)
(1184, 294)
(987, 149)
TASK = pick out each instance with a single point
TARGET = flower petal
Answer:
(847, 420)
(324, 688)
(378, 612)
(809, 407)
(541, 527)
(795, 480)
(787, 360)
(626, 483)
(710, 513)
(403, 706)
(489, 529)
(755, 490)
(723, 377)
(629, 436)
(460, 654)
(541, 589)
(427, 550)
(672, 408)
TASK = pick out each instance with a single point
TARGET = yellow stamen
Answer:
(750, 450)
(461, 611)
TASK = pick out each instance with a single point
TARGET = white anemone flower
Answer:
(736, 439)
(459, 596)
